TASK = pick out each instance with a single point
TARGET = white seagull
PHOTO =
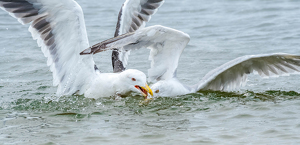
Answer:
(59, 28)
(166, 46)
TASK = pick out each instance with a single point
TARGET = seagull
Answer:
(59, 28)
(167, 44)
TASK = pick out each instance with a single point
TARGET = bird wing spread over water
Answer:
(233, 74)
(166, 46)
(133, 15)
(59, 28)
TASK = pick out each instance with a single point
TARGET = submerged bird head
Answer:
(135, 81)
(159, 89)
(169, 87)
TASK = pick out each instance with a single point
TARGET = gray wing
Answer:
(133, 15)
(59, 28)
(233, 74)
(166, 46)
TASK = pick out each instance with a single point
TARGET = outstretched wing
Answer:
(59, 28)
(233, 74)
(166, 46)
(133, 15)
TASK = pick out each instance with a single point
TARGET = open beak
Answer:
(145, 90)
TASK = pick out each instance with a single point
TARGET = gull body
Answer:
(120, 84)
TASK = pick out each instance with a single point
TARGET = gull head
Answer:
(159, 89)
(133, 80)
(169, 87)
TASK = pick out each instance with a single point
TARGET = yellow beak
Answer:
(149, 90)
(145, 90)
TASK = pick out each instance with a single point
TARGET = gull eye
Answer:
(133, 79)
(157, 91)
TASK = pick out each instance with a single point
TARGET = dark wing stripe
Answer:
(289, 66)
(45, 33)
(26, 12)
(279, 67)
(30, 13)
(41, 24)
(145, 17)
(50, 41)
(16, 4)
(53, 50)
(147, 11)
(272, 69)
(46, 29)
(119, 22)
(131, 29)
(137, 21)
(155, 1)
(23, 9)
(58, 26)
(48, 37)
(134, 26)
(148, 8)
(141, 18)
(155, 5)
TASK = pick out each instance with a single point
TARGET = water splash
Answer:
(76, 105)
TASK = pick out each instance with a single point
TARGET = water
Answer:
(265, 111)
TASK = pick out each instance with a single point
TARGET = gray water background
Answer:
(265, 111)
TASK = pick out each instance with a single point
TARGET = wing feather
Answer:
(59, 28)
(233, 74)
(166, 46)
(133, 15)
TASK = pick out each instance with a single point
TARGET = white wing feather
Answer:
(133, 15)
(59, 28)
(233, 74)
(166, 46)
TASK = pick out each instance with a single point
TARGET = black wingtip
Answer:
(86, 52)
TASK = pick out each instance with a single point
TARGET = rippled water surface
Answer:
(265, 111)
